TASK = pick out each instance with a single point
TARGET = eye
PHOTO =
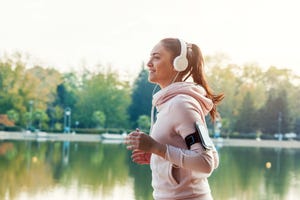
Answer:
(155, 56)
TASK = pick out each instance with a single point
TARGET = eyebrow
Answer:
(155, 53)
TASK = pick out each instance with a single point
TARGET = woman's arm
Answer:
(197, 159)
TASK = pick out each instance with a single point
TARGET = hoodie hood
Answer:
(187, 88)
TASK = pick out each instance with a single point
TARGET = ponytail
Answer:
(197, 72)
(195, 69)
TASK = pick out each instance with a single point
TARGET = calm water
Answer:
(78, 170)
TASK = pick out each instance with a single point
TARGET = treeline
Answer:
(256, 100)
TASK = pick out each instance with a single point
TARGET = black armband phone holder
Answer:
(200, 136)
(192, 139)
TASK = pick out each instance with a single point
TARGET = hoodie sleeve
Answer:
(185, 111)
(196, 159)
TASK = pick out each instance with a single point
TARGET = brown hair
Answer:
(194, 69)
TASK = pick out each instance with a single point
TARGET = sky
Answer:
(69, 34)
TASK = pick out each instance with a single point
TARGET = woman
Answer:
(180, 165)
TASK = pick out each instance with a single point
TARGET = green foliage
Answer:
(99, 118)
(20, 85)
(224, 79)
(66, 91)
(253, 97)
(103, 92)
(274, 116)
(141, 97)
(297, 126)
(144, 123)
(40, 118)
(246, 119)
(13, 115)
(249, 81)
(44, 91)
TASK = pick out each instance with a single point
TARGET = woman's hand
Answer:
(140, 157)
(137, 140)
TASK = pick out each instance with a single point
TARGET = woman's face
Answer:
(160, 65)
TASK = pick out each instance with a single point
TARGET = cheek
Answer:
(165, 67)
(167, 71)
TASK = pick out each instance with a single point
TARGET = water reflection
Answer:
(243, 174)
(78, 170)
(65, 152)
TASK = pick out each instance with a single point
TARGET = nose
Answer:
(149, 64)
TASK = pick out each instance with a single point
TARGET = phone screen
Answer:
(204, 136)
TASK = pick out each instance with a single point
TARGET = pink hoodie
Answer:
(183, 173)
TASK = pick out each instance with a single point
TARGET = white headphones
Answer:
(181, 62)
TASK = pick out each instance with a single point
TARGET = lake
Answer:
(38, 170)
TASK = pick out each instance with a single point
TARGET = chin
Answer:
(154, 82)
(151, 79)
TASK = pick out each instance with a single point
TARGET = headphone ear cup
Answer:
(180, 63)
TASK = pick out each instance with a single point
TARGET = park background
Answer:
(79, 67)
(89, 57)
(258, 103)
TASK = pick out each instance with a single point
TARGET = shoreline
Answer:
(42, 136)
(257, 143)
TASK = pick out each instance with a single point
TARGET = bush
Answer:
(12, 128)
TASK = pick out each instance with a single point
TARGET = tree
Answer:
(274, 116)
(13, 116)
(40, 118)
(225, 80)
(18, 87)
(45, 91)
(103, 92)
(141, 97)
(66, 91)
(297, 126)
(144, 123)
(65, 96)
(246, 119)
(55, 114)
(293, 96)
(99, 118)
